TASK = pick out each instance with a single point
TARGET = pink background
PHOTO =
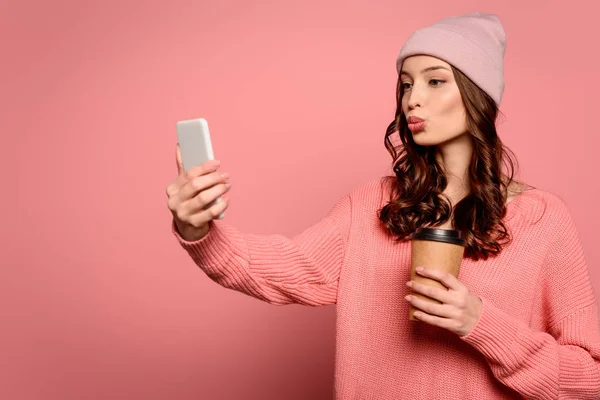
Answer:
(97, 299)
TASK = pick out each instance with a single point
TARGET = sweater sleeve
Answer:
(563, 361)
(304, 269)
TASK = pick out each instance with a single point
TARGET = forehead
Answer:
(415, 65)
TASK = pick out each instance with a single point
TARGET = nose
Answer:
(415, 97)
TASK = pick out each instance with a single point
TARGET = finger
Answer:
(210, 213)
(201, 183)
(193, 211)
(179, 160)
(446, 323)
(444, 277)
(204, 198)
(440, 310)
(185, 177)
(442, 295)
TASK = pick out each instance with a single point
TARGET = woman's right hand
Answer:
(191, 191)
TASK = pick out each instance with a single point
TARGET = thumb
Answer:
(179, 161)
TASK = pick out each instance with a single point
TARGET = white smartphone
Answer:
(195, 146)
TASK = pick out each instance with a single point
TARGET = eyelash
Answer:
(431, 80)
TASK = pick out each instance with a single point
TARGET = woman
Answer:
(521, 320)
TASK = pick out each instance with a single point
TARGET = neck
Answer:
(455, 157)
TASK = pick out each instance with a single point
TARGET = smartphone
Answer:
(195, 146)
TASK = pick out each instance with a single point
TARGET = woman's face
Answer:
(431, 94)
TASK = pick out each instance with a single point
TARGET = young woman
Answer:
(521, 320)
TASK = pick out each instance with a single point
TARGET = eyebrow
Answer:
(435, 67)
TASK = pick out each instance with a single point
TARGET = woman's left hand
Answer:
(460, 308)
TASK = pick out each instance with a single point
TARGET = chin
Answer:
(422, 138)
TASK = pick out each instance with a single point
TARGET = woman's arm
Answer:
(304, 269)
(562, 362)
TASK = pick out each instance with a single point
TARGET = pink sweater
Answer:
(537, 337)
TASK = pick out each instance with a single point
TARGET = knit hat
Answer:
(474, 43)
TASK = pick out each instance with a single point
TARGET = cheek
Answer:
(452, 112)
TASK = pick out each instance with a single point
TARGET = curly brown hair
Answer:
(416, 190)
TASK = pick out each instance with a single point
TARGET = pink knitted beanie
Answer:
(474, 43)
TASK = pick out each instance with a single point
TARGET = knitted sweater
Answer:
(537, 337)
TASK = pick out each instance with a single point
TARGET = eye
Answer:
(405, 85)
(437, 80)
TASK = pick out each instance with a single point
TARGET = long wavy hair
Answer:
(416, 195)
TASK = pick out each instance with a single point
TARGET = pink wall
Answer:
(98, 301)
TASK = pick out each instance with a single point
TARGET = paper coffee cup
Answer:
(435, 248)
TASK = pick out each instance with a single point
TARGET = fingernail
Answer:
(420, 269)
(214, 163)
